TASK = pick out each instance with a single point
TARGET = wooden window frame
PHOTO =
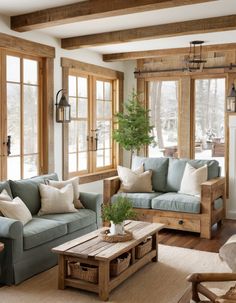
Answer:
(27, 49)
(69, 67)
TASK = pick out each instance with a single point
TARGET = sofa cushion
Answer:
(74, 221)
(139, 200)
(159, 167)
(28, 191)
(177, 202)
(5, 185)
(176, 170)
(39, 231)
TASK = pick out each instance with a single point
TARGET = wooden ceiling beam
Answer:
(165, 52)
(90, 9)
(200, 26)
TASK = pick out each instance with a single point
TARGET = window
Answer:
(163, 105)
(210, 119)
(22, 103)
(93, 102)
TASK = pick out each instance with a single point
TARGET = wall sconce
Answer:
(63, 109)
(231, 100)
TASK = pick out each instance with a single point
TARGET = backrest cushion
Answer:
(176, 170)
(28, 191)
(5, 185)
(159, 168)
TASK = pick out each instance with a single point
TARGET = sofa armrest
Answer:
(11, 234)
(92, 201)
(212, 190)
(110, 188)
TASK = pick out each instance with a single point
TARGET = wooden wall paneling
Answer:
(65, 129)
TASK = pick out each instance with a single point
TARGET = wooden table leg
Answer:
(155, 246)
(104, 278)
(62, 270)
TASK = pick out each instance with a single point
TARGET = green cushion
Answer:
(176, 171)
(39, 231)
(139, 200)
(74, 221)
(159, 167)
(218, 203)
(28, 191)
(177, 202)
(5, 185)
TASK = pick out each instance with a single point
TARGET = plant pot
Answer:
(117, 229)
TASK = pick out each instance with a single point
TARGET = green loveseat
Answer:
(28, 248)
(166, 205)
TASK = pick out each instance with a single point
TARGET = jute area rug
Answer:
(162, 282)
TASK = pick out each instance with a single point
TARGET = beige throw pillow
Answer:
(192, 180)
(74, 181)
(55, 201)
(4, 196)
(15, 209)
(135, 181)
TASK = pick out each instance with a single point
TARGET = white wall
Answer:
(81, 55)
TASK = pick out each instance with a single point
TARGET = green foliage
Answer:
(134, 129)
(118, 211)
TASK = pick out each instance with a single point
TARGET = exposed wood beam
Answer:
(165, 52)
(215, 24)
(91, 9)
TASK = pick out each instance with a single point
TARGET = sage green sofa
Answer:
(28, 248)
(166, 205)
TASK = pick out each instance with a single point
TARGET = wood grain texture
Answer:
(165, 52)
(207, 25)
(25, 46)
(88, 10)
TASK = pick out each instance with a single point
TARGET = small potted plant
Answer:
(117, 213)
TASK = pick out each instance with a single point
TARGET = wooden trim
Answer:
(97, 176)
(89, 10)
(24, 46)
(92, 69)
(207, 25)
(48, 115)
(165, 52)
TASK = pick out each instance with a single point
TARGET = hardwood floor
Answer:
(192, 240)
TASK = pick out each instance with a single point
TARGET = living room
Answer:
(110, 106)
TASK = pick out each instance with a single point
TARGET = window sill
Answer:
(97, 176)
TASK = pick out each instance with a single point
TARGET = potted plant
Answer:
(117, 213)
(134, 129)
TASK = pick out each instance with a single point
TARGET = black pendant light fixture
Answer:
(63, 109)
(231, 100)
(195, 61)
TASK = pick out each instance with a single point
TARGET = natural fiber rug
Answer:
(162, 282)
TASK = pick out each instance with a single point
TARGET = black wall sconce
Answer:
(63, 109)
(231, 100)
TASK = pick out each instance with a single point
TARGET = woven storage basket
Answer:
(143, 248)
(84, 272)
(120, 264)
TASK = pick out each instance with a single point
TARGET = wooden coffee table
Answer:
(90, 249)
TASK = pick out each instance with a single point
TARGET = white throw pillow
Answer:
(15, 209)
(55, 201)
(74, 181)
(192, 180)
(5, 196)
(135, 181)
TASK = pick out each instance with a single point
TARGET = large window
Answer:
(90, 131)
(20, 117)
(163, 105)
(210, 120)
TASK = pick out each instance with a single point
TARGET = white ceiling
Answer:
(184, 13)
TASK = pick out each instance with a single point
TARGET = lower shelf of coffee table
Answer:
(113, 281)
